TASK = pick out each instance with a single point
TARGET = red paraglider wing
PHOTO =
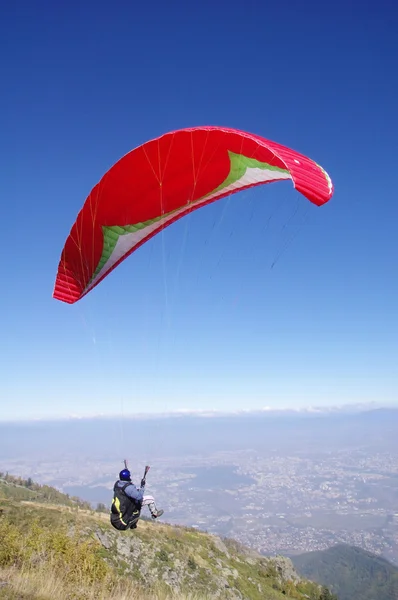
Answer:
(159, 182)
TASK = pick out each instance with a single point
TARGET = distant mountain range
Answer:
(365, 410)
(351, 573)
(344, 409)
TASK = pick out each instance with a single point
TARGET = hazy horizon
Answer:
(190, 429)
(209, 413)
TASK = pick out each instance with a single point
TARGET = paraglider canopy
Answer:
(164, 179)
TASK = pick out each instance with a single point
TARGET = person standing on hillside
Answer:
(128, 501)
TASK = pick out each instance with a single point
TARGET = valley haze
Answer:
(288, 481)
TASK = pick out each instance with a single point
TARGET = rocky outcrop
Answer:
(285, 569)
(194, 561)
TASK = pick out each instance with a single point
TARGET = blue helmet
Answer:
(125, 475)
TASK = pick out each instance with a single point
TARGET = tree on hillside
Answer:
(327, 595)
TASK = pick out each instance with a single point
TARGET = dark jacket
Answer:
(126, 504)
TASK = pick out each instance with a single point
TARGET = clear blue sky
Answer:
(197, 319)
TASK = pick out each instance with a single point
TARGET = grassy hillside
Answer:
(65, 551)
(351, 573)
(26, 489)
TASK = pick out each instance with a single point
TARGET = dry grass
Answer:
(75, 510)
(49, 563)
(45, 584)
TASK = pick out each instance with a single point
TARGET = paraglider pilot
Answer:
(128, 501)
